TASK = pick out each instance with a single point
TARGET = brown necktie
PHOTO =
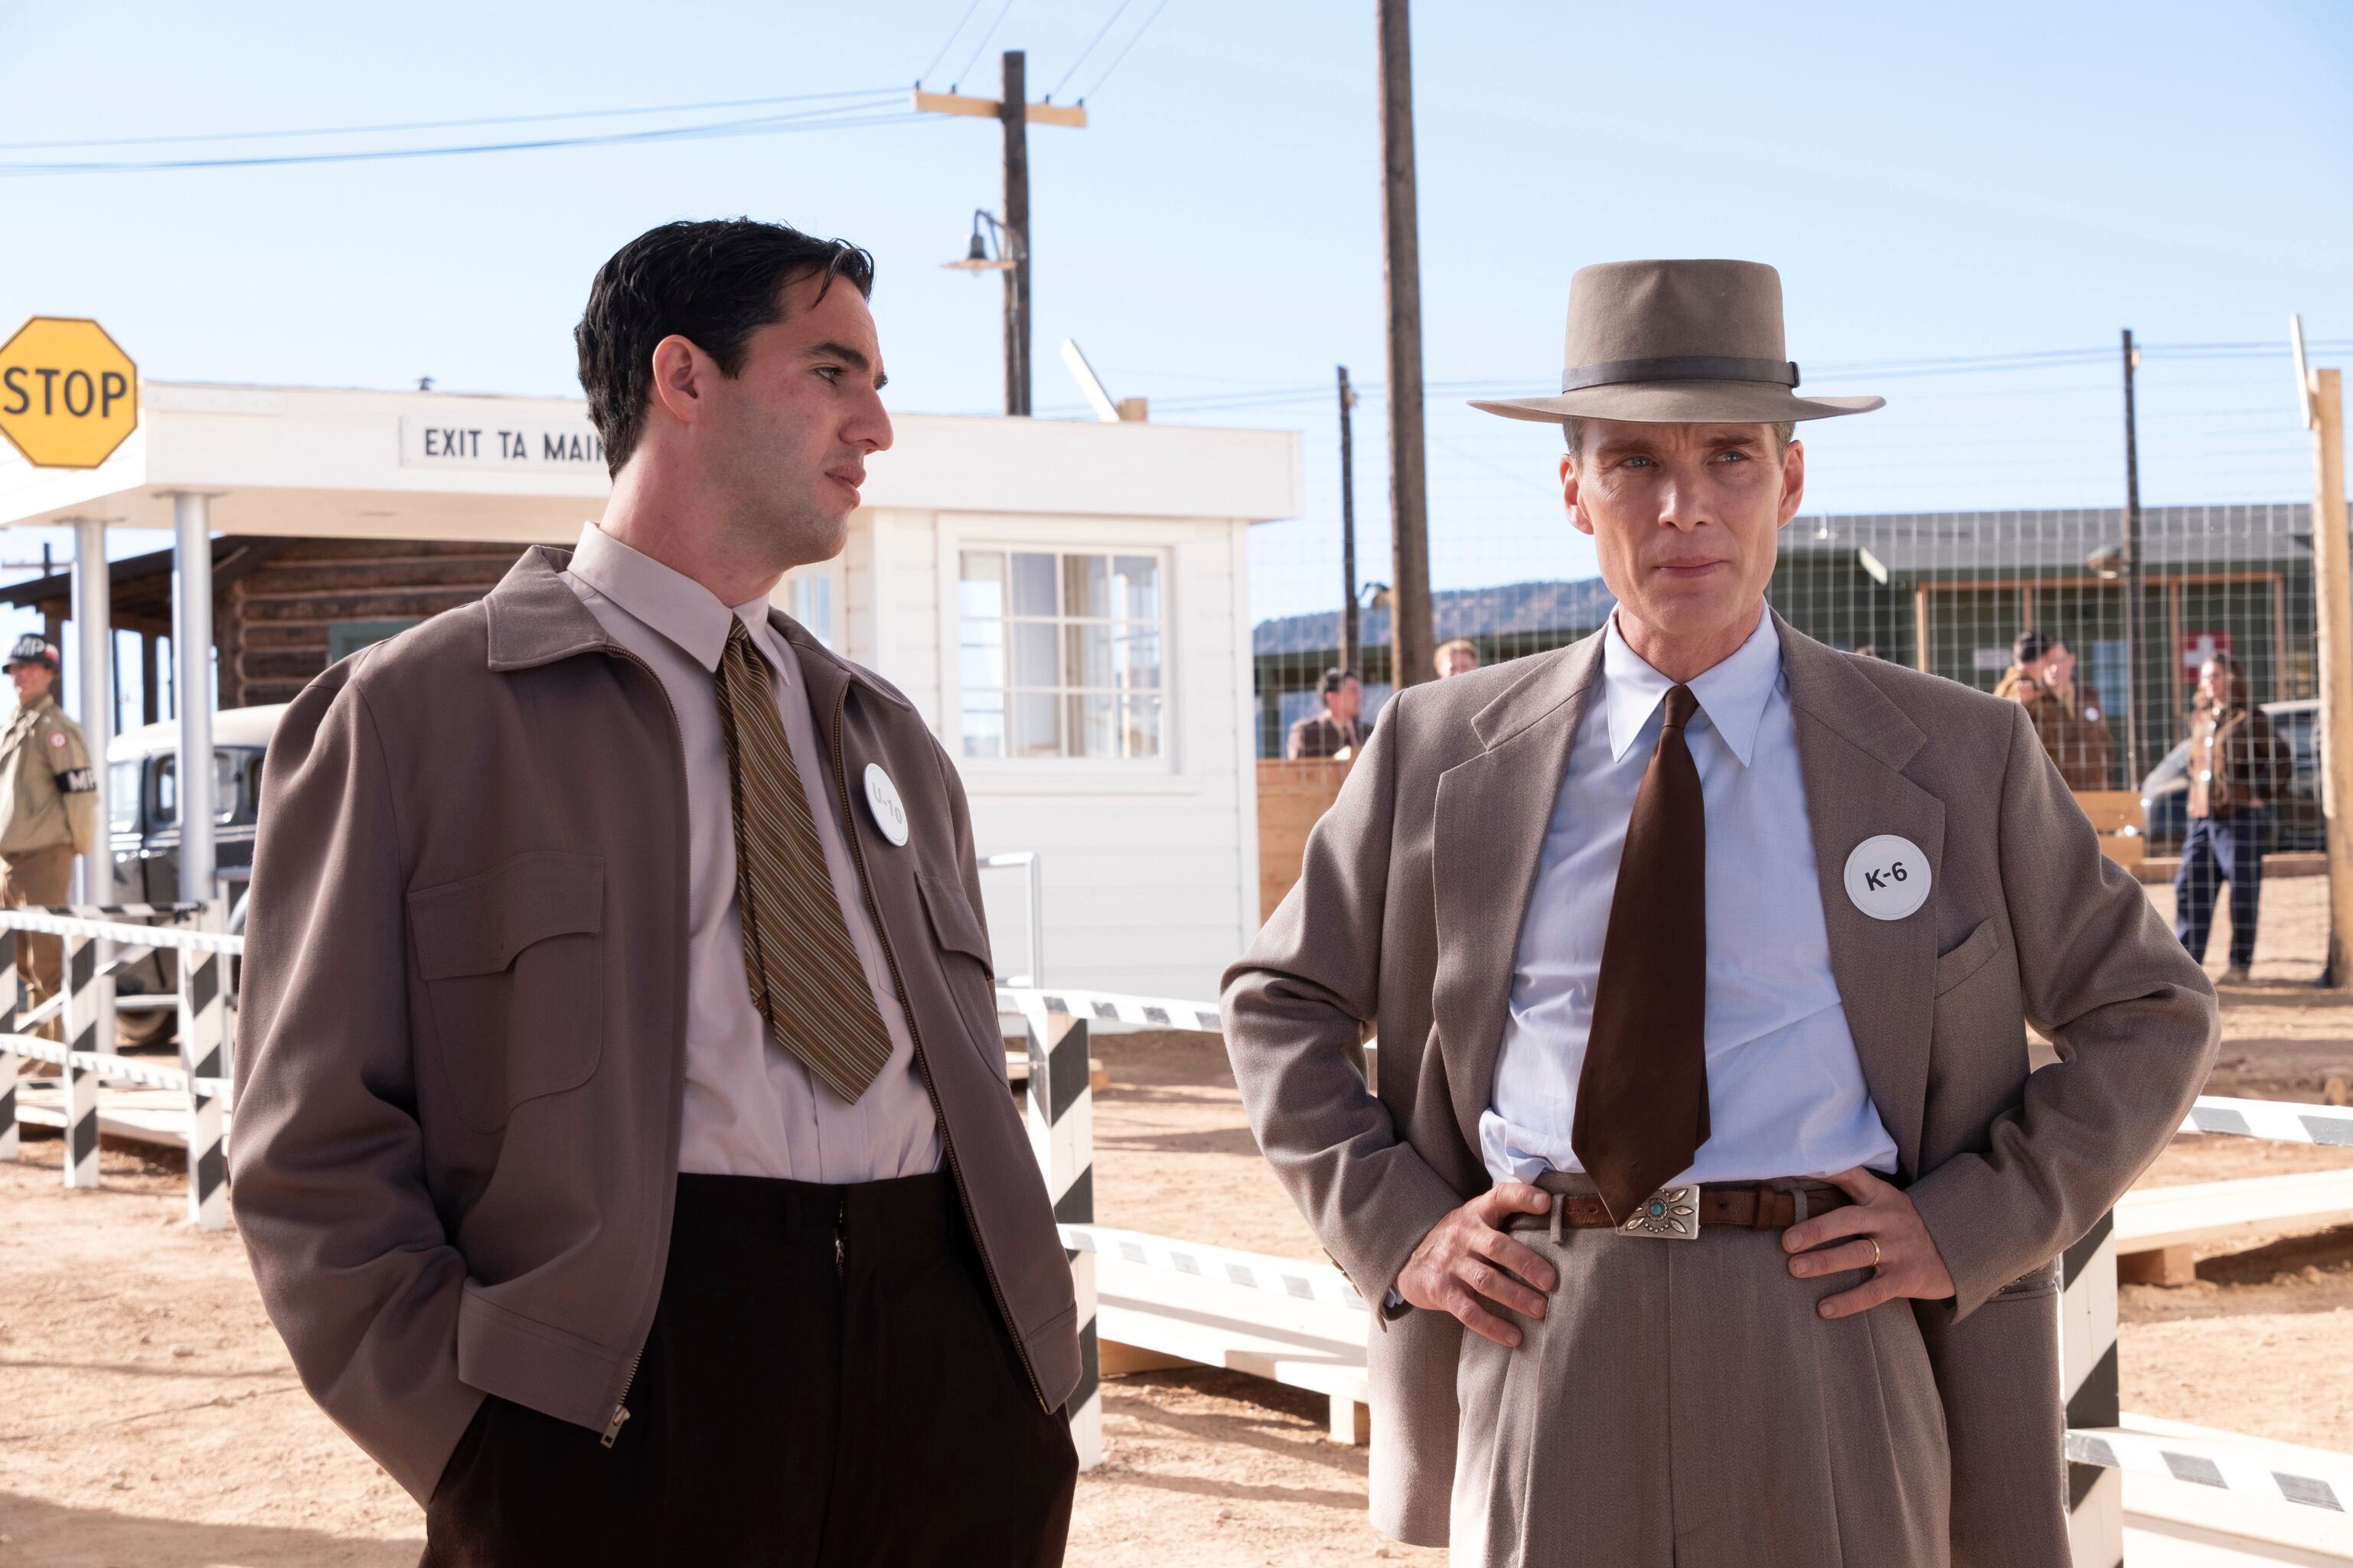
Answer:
(1642, 1099)
(806, 983)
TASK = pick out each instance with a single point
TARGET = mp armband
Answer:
(79, 781)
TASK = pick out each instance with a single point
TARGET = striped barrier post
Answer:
(204, 1017)
(89, 1000)
(1062, 1137)
(2087, 1373)
(10, 1065)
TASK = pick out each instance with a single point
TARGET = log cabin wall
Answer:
(272, 624)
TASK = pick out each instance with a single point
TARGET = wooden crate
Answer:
(1292, 798)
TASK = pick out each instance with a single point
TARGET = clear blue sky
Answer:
(1933, 182)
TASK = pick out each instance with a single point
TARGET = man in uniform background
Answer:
(50, 794)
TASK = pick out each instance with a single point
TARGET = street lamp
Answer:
(998, 247)
(981, 255)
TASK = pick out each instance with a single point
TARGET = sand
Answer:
(150, 1414)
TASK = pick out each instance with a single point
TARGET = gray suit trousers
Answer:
(1681, 1406)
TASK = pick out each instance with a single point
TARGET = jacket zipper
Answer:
(678, 749)
(923, 1064)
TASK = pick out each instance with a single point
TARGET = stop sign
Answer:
(68, 394)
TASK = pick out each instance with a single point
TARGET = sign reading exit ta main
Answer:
(541, 446)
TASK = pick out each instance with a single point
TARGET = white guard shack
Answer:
(1066, 603)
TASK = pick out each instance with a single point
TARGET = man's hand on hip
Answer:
(1467, 1265)
(1880, 1231)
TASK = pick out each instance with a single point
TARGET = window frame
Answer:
(1076, 537)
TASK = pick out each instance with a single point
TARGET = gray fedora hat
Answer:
(1677, 342)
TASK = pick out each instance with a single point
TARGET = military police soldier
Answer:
(49, 794)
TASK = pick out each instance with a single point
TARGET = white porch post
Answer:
(191, 654)
(93, 708)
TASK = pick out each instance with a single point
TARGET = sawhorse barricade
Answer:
(2103, 1442)
(101, 941)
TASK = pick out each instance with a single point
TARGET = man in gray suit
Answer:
(1701, 957)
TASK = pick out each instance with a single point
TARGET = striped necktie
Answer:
(806, 983)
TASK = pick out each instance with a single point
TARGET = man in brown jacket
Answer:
(623, 1141)
(2066, 712)
(1702, 1186)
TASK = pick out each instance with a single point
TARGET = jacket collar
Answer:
(534, 618)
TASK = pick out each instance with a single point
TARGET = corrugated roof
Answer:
(1514, 607)
(2060, 538)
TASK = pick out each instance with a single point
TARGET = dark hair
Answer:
(2033, 648)
(1336, 678)
(714, 283)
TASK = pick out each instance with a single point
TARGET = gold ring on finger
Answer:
(1874, 1251)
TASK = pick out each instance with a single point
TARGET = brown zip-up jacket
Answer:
(476, 833)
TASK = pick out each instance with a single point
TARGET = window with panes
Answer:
(1061, 654)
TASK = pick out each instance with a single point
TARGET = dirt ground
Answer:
(148, 1415)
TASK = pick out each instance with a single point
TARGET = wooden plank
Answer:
(2151, 1218)
(2165, 1266)
(2125, 849)
(1116, 1359)
(1293, 797)
(1073, 115)
(2110, 810)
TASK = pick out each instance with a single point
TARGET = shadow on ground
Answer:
(38, 1531)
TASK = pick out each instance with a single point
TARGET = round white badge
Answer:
(1887, 876)
(883, 800)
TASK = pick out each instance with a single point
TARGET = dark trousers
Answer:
(2220, 850)
(827, 1383)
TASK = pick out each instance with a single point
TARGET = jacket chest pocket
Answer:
(957, 930)
(513, 965)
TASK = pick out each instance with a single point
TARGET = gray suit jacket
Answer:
(1408, 915)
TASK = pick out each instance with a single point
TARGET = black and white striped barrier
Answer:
(1104, 1008)
(1061, 1122)
(2087, 1375)
(2274, 1119)
(10, 1067)
(1290, 1278)
(2318, 1482)
(204, 1058)
(89, 997)
(86, 1000)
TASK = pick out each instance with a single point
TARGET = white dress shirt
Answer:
(751, 1108)
(1784, 1090)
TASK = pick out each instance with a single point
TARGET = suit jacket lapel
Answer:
(1491, 815)
(1852, 743)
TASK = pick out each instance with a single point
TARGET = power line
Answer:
(947, 43)
(1122, 51)
(877, 93)
(762, 125)
(973, 58)
(1101, 33)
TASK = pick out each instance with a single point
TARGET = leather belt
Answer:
(1680, 1213)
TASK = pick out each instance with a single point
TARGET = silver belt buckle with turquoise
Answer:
(1671, 1214)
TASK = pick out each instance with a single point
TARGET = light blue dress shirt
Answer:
(1786, 1093)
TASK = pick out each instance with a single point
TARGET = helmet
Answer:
(31, 648)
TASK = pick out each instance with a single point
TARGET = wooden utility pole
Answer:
(1410, 641)
(1016, 115)
(1011, 113)
(1347, 526)
(2322, 393)
(2141, 728)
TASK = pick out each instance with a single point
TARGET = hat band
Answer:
(1679, 367)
